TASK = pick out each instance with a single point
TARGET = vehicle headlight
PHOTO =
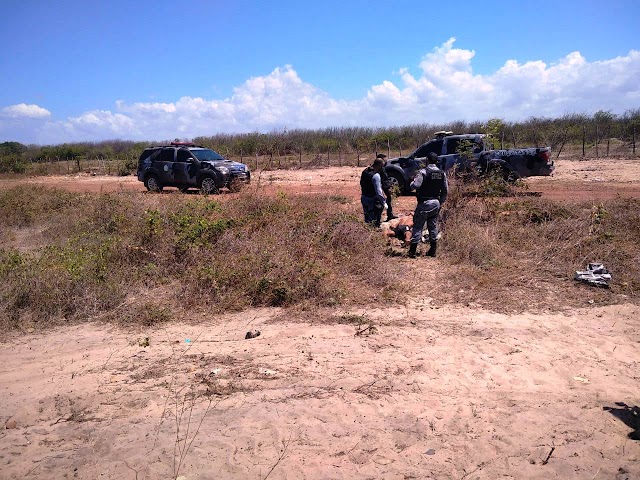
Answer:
(223, 170)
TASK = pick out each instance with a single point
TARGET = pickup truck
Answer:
(511, 164)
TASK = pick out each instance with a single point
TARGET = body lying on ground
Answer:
(399, 228)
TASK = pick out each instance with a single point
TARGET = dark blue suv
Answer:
(185, 165)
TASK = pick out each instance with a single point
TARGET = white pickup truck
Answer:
(511, 164)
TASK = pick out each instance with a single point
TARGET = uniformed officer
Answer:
(372, 198)
(386, 187)
(431, 189)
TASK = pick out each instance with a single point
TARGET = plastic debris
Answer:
(595, 275)
(581, 379)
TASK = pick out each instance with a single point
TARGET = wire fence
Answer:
(611, 149)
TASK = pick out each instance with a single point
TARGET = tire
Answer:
(208, 186)
(152, 183)
(396, 182)
(508, 175)
(499, 172)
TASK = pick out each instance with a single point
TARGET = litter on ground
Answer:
(595, 275)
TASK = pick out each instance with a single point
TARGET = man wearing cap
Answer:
(372, 198)
(431, 189)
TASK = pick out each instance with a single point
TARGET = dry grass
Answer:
(517, 252)
(134, 260)
(103, 250)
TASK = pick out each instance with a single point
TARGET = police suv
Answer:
(185, 165)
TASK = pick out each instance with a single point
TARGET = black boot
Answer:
(433, 246)
(412, 250)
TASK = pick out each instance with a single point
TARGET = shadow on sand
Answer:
(629, 415)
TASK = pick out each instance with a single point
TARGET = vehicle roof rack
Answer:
(183, 144)
(443, 133)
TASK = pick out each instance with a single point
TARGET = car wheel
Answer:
(502, 173)
(396, 183)
(208, 186)
(152, 183)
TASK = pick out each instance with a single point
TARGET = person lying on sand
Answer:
(399, 228)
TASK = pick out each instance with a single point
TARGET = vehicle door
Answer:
(417, 159)
(185, 168)
(461, 151)
(450, 155)
(164, 163)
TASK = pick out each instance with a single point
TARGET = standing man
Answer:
(372, 198)
(431, 189)
(386, 186)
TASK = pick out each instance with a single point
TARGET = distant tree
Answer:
(12, 148)
(603, 122)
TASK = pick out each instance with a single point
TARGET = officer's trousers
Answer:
(426, 212)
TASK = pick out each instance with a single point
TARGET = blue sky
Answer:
(87, 70)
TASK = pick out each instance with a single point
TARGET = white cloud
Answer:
(22, 110)
(445, 89)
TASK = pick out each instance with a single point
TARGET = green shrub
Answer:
(12, 164)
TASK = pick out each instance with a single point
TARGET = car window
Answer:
(166, 155)
(150, 152)
(452, 145)
(207, 154)
(183, 155)
(434, 146)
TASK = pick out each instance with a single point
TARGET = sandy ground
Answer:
(430, 392)
(573, 180)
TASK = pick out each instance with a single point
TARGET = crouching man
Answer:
(431, 189)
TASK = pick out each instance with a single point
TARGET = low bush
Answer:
(521, 252)
(12, 164)
(102, 250)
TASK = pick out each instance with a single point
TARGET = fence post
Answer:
(584, 140)
(634, 140)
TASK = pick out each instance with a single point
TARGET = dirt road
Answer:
(573, 180)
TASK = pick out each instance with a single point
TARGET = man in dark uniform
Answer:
(372, 198)
(431, 189)
(386, 187)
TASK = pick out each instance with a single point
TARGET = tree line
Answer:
(581, 133)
